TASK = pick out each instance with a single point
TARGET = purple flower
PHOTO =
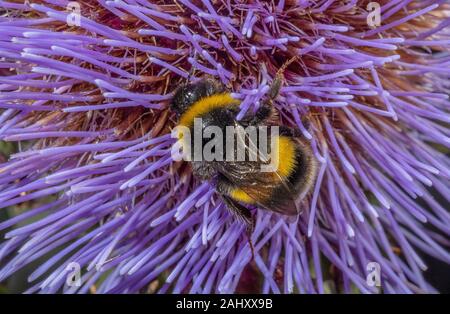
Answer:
(89, 103)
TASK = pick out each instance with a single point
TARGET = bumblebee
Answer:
(242, 184)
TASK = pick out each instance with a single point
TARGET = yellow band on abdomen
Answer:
(286, 154)
(240, 196)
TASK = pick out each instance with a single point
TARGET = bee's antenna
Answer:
(190, 74)
(191, 70)
(249, 232)
(252, 248)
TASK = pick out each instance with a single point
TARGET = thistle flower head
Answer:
(86, 97)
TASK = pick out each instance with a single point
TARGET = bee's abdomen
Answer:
(296, 167)
(303, 174)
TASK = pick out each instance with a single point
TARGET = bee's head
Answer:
(188, 94)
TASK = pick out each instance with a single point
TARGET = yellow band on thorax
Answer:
(205, 105)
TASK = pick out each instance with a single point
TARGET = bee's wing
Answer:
(258, 185)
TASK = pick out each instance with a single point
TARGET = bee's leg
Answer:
(192, 69)
(250, 242)
(244, 215)
(275, 88)
(241, 213)
(277, 82)
(266, 111)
